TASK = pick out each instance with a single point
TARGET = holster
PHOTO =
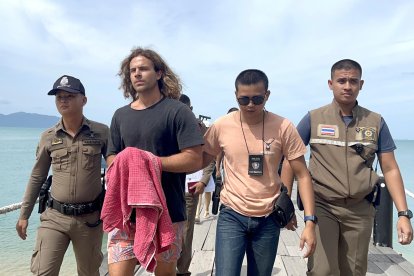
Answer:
(283, 210)
(44, 194)
(216, 196)
(375, 196)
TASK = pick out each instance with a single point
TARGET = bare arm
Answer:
(395, 186)
(219, 159)
(298, 167)
(287, 176)
(188, 160)
(393, 179)
(207, 159)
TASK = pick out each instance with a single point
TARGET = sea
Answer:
(17, 155)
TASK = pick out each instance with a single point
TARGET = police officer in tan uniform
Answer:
(74, 148)
(344, 139)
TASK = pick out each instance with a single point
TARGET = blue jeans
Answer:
(236, 235)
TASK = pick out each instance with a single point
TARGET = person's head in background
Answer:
(185, 100)
(232, 109)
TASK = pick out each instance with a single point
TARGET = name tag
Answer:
(91, 142)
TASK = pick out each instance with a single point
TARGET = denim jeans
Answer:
(236, 235)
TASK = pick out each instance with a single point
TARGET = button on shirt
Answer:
(75, 162)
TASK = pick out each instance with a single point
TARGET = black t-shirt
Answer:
(163, 129)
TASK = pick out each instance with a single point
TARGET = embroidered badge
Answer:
(328, 131)
(57, 141)
(64, 82)
(91, 142)
(366, 134)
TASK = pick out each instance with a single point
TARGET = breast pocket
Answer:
(60, 159)
(91, 157)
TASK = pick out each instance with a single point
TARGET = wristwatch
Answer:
(314, 219)
(407, 213)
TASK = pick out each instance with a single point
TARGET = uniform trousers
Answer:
(343, 234)
(183, 263)
(55, 233)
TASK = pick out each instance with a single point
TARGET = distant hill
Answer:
(23, 119)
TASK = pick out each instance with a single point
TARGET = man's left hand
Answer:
(308, 239)
(404, 230)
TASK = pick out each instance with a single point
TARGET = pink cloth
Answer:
(134, 181)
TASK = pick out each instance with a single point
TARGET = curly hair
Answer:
(169, 83)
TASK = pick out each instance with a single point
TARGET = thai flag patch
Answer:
(327, 131)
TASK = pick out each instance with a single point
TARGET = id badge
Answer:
(255, 165)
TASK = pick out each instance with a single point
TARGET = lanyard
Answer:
(245, 141)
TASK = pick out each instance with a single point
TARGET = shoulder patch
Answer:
(331, 131)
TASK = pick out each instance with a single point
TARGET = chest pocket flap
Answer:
(60, 159)
(91, 157)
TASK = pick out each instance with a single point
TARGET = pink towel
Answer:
(134, 181)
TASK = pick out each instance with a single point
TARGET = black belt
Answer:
(74, 209)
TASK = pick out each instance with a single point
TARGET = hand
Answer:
(404, 230)
(293, 224)
(308, 237)
(21, 227)
(197, 189)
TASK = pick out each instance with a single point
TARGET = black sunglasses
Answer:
(255, 99)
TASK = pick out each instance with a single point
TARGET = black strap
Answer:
(71, 209)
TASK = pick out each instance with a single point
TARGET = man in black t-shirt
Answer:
(156, 122)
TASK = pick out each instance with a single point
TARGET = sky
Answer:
(208, 43)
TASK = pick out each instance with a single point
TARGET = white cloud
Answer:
(208, 44)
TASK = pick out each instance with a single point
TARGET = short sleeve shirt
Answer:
(246, 194)
(163, 129)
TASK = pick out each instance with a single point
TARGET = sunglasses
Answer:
(256, 100)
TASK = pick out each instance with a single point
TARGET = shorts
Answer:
(121, 245)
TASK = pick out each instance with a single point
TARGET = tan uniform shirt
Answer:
(75, 161)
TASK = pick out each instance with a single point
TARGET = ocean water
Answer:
(17, 155)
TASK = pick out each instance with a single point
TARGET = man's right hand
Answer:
(21, 227)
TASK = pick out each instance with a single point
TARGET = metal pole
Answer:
(383, 221)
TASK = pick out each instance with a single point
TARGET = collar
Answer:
(86, 124)
(338, 109)
(355, 110)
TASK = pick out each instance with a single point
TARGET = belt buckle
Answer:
(78, 209)
(73, 209)
(67, 209)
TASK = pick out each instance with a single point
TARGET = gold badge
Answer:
(57, 141)
(366, 134)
